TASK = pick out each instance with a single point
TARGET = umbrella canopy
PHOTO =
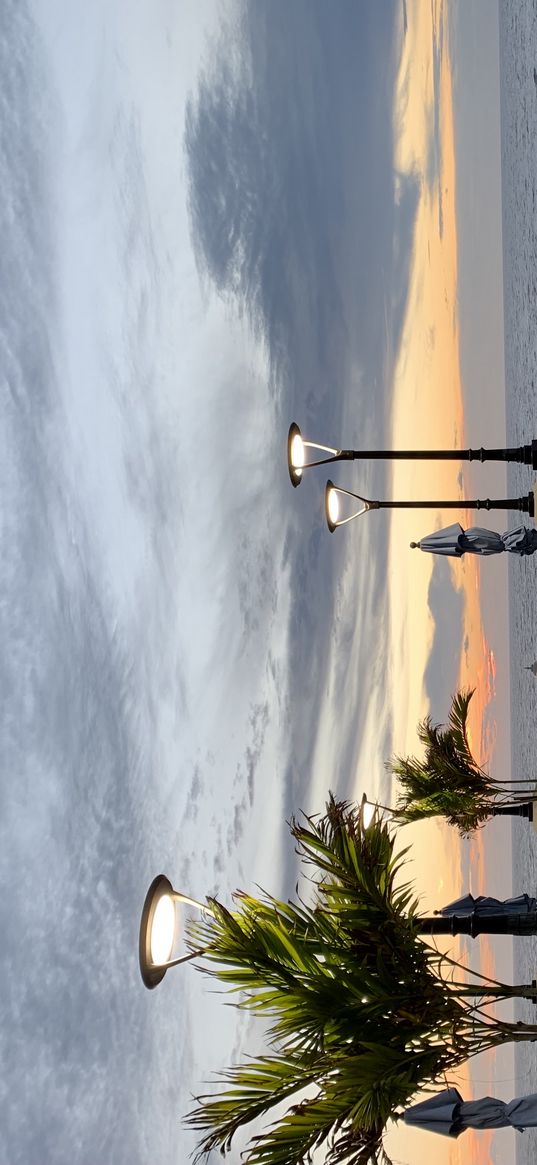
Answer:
(453, 541)
(438, 1114)
(447, 1113)
(520, 541)
(446, 541)
(483, 905)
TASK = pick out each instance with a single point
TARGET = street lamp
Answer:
(297, 454)
(506, 919)
(159, 930)
(334, 493)
(521, 809)
(368, 810)
(298, 447)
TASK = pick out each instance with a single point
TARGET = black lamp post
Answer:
(298, 447)
(523, 809)
(470, 916)
(478, 916)
(474, 924)
(333, 492)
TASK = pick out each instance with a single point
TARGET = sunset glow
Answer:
(428, 410)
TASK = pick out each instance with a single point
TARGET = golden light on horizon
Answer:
(428, 410)
(428, 405)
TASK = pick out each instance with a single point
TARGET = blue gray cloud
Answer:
(170, 610)
(447, 608)
(289, 146)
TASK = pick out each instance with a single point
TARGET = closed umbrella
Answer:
(447, 1113)
(438, 1114)
(447, 541)
(453, 541)
(483, 905)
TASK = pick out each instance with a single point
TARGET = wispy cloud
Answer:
(181, 632)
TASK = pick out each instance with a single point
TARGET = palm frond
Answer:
(360, 1012)
(447, 782)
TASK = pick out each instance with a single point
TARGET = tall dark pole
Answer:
(523, 454)
(526, 504)
(476, 924)
(523, 809)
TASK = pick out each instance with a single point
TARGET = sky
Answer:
(216, 219)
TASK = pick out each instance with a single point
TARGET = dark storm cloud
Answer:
(289, 144)
(446, 606)
(291, 179)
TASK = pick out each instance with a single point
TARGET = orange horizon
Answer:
(428, 404)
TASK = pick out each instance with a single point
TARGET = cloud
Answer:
(447, 608)
(287, 218)
(298, 225)
(181, 633)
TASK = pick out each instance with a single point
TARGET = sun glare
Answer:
(162, 930)
(297, 453)
(333, 506)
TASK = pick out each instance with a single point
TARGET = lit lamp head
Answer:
(368, 811)
(157, 931)
(332, 506)
(296, 455)
(300, 453)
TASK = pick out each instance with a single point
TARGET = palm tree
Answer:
(448, 781)
(361, 1013)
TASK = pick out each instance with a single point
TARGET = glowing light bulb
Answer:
(333, 506)
(368, 813)
(298, 455)
(162, 930)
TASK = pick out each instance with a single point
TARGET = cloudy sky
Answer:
(217, 218)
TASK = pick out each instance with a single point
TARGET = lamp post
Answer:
(515, 916)
(158, 930)
(333, 493)
(158, 925)
(523, 809)
(298, 452)
(474, 924)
